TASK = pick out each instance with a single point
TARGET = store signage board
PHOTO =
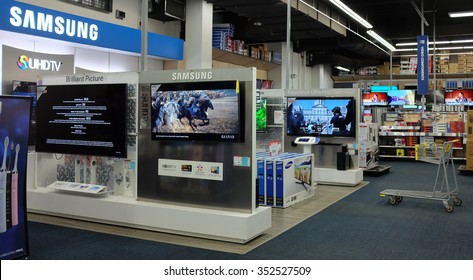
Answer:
(191, 169)
(422, 65)
(38, 21)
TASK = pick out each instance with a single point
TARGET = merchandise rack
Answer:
(442, 156)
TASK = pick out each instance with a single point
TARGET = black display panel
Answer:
(25, 88)
(202, 111)
(82, 119)
(321, 116)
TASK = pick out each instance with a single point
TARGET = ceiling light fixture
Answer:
(442, 48)
(460, 14)
(342, 68)
(351, 13)
(381, 40)
(437, 43)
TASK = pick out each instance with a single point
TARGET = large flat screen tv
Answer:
(321, 116)
(82, 119)
(375, 99)
(459, 97)
(401, 97)
(200, 111)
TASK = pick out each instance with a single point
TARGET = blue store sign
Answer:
(38, 21)
(422, 65)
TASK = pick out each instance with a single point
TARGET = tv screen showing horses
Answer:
(321, 116)
(196, 111)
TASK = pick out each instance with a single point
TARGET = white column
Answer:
(198, 46)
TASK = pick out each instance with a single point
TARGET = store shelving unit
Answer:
(398, 141)
(242, 60)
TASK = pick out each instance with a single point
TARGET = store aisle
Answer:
(360, 226)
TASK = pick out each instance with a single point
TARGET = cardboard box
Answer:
(469, 154)
(469, 124)
(288, 179)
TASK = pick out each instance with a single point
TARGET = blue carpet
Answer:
(362, 226)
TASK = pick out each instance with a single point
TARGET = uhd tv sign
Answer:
(24, 63)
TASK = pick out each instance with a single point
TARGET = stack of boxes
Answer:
(368, 145)
(284, 179)
(222, 36)
(469, 140)
(456, 127)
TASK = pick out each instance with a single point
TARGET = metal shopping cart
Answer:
(444, 191)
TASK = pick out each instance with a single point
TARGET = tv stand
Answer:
(332, 176)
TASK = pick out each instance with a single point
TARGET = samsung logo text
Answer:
(190, 76)
(53, 24)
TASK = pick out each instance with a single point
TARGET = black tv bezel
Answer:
(119, 139)
(204, 137)
(350, 98)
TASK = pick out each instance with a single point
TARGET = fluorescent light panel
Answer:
(460, 14)
(442, 48)
(381, 40)
(351, 13)
(342, 68)
(437, 43)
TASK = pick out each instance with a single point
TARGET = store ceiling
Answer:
(396, 20)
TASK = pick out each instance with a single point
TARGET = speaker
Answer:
(343, 161)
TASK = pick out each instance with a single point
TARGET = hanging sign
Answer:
(422, 65)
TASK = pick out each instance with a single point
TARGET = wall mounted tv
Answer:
(82, 119)
(459, 97)
(200, 111)
(375, 99)
(434, 96)
(401, 97)
(321, 116)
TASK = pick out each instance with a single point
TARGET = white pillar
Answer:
(198, 47)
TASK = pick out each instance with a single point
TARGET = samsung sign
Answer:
(33, 20)
(49, 23)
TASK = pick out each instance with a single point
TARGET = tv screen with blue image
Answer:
(321, 116)
(401, 97)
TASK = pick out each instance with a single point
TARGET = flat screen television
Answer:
(434, 95)
(82, 119)
(261, 121)
(375, 99)
(459, 97)
(200, 111)
(401, 97)
(321, 116)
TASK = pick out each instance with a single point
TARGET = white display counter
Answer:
(191, 221)
(332, 176)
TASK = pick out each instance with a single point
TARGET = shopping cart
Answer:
(444, 191)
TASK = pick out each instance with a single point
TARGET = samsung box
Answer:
(289, 179)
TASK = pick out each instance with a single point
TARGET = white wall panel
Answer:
(123, 63)
(92, 60)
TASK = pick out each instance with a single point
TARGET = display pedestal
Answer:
(190, 221)
(332, 176)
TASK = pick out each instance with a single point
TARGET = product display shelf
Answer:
(243, 60)
(398, 141)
